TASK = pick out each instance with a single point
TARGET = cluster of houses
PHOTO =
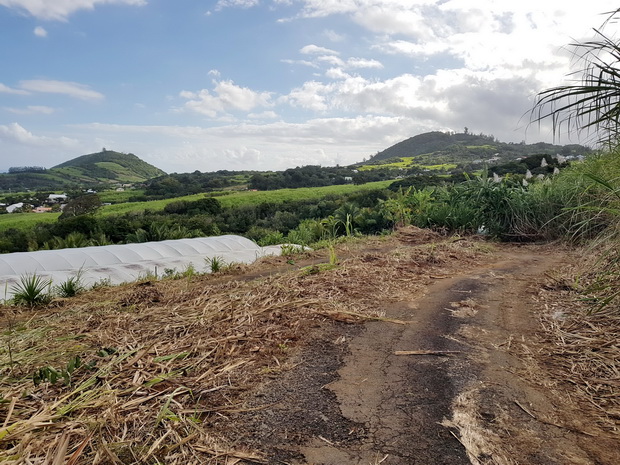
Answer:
(52, 199)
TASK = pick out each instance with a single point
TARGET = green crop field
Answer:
(25, 220)
(408, 162)
(235, 199)
(119, 197)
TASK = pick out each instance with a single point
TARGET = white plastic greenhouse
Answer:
(117, 264)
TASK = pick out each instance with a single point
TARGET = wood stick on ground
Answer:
(427, 352)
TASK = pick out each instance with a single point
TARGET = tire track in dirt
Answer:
(404, 398)
(350, 400)
(406, 401)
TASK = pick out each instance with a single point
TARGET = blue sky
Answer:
(271, 84)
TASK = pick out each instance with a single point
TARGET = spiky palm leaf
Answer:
(592, 103)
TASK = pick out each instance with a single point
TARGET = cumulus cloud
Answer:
(15, 133)
(71, 89)
(40, 32)
(60, 10)
(226, 96)
(448, 98)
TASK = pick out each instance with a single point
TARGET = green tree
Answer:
(82, 205)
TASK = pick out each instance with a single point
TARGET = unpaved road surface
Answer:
(444, 378)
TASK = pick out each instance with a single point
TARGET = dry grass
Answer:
(163, 361)
(581, 348)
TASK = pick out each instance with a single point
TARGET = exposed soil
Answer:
(447, 378)
(412, 349)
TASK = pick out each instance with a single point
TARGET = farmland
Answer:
(407, 163)
(227, 199)
(238, 198)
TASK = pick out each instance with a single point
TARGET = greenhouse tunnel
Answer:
(117, 264)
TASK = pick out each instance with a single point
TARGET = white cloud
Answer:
(60, 10)
(330, 60)
(32, 109)
(15, 133)
(482, 35)
(333, 35)
(363, 63)
(226, 96)
(316, 50)
(72, 89)
(264, 115)
(221, 4)
(300, 62)
(310, 96)
(448, 98)
(4, 89)
(40, 32)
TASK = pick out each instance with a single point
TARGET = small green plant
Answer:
(170, 273)
(71, 287)
(333, 258)
(189, 271)
(216, 264)
(103, 282)
(32, 291)
(52, 375)
(287, 250)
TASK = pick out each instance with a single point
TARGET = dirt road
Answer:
(444, 378)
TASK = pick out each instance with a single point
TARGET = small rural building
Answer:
(57, 198)
(15, 206)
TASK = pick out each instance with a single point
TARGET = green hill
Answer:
(109, 166)
(92, 170)
(435, 148)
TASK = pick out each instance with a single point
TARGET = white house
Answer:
(57, 197)
(15, 206)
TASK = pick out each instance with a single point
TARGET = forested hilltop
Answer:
(463, 148)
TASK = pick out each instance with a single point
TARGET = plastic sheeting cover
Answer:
(117, 264)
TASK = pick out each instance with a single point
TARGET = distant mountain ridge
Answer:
(442, 147)
(92, 170)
